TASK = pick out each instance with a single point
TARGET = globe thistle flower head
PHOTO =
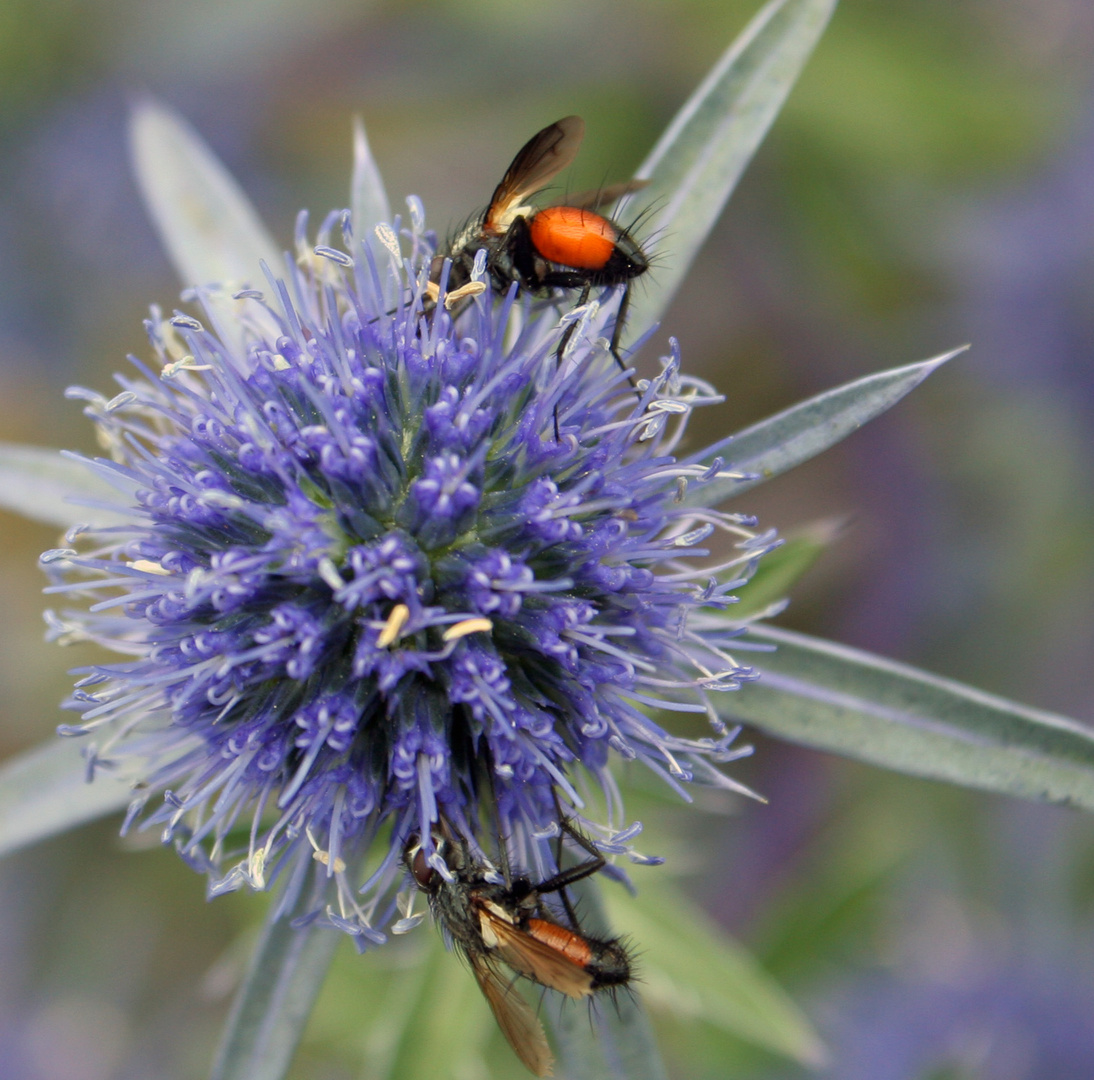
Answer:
(384, 565)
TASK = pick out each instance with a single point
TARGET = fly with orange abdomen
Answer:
(557, 247)
(495, 923)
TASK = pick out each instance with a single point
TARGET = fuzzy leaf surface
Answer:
(45, 791)
(207, 224)
(799, 433)
(849, 702)
(617, 1040)
(272, 1006)
(41, 484)
(697, 162)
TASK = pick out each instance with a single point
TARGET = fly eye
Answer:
(421, 870)
(415, 862)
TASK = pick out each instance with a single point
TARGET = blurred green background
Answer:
(929, 183)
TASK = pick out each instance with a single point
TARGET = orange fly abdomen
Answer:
(571, 236)
(564, 941)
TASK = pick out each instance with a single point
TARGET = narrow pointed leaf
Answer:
(693, 969)
(442, 1019)
(210, 230)
(39, 484)
(695, 166)
(272, 1006)
(617, 1041)
(369, 204)
(866, 707)
(787, 439)
(368, 198)
(45, 791)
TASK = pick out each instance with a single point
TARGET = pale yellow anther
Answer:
(433, 291)
(147, 566)
(468, 626)
(187, 363)
(258, 868)
(280, 363)
(386, 235)
(400, 613)
(324, 858)
(472, 288)
(321, 856)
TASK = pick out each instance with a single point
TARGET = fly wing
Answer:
(605, 196)
(531, 957)
(539, 161)
(519, 1025)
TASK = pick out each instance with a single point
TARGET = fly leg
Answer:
(582, 299)
(560, 881)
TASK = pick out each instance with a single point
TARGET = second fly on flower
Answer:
(496, 921)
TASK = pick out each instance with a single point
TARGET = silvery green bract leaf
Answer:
(45, 791)
(697, 162)
(801, 432)
(368, 198)
(849, 702)
(208, 226)
(692, 969)
(369, 204)
(616, 1041)
(44, 485)
(429, 1013)
(210, 230)
(272, 1006)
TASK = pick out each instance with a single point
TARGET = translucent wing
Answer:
(539, 161)
(541, 962)
(519, 1025)
(605, 196)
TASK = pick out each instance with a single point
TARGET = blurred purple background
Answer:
(928, 184)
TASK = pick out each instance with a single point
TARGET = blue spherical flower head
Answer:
(362, 587)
